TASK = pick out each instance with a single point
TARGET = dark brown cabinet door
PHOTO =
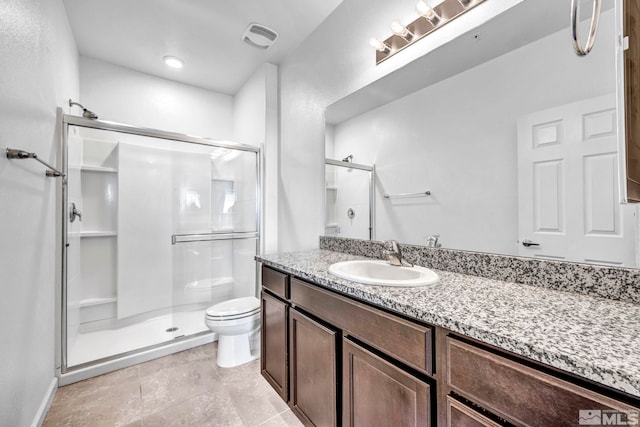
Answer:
(377, 393)
(273, 348)
(313, 388)
(632, 97)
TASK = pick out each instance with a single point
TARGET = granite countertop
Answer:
(592, 337)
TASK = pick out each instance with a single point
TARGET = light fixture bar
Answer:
(432, 14)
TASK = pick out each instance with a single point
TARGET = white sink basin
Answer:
(383, 274)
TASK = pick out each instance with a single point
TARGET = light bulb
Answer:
(425, 10)
(378, 45)
(173, 61)
(399, 30)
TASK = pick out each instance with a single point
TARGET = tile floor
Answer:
(182, 389)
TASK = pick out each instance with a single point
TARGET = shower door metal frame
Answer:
(372, 192)
(64, 121)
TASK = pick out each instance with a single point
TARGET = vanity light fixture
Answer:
(173, 61)
(432, 14)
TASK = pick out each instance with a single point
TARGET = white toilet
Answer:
(235, 321)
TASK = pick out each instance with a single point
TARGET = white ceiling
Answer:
(206, 34)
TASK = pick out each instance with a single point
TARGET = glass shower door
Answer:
(214, 248)
(163, 229)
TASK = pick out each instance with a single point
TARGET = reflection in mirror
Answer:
(520, 153)
(349, 199)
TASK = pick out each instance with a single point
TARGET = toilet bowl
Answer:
(235, 321)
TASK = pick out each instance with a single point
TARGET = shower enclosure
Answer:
(156, 227)
(349, 199)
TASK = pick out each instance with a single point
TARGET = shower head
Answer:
(88, 114)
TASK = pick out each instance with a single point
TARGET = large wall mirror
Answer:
(520, 152)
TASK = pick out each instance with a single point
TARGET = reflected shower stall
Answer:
(349, 199)
(156, 227)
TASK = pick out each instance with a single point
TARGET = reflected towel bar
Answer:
(393, 196)
(13, 153)
(206, 237)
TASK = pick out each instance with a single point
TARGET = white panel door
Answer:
(567, 186)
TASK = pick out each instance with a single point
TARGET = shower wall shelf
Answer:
(88, 168)
(93, 234)
(93, 186)
(90, 302)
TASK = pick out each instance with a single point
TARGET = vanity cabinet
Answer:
(517, 393)
(405, 341)
(338, 361)
(346, 363)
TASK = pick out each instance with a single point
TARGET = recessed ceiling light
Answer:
(173, 61)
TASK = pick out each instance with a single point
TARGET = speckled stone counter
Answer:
(592, 337)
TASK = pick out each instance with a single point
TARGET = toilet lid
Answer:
(234, 307)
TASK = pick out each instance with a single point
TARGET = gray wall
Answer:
(458, 138)
(39, 70)
(333, 62)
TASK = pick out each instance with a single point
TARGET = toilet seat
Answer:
(237, 308)
(236, 322)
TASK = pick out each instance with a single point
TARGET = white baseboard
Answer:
(46, 404)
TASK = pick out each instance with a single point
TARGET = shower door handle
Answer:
(74, 212)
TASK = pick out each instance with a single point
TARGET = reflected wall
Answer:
(458, 139)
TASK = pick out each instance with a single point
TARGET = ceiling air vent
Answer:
(259, 36)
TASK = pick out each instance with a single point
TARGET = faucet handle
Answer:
(432, 241)
(391, 245)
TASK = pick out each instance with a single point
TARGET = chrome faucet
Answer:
(394, 254)
(432, 241)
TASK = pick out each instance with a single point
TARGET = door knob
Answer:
(528, 243)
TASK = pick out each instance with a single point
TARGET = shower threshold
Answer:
(99, 352)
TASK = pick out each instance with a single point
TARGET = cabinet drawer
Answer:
(403, 340)
(459, 415)
(276, 282)
(518, 393)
